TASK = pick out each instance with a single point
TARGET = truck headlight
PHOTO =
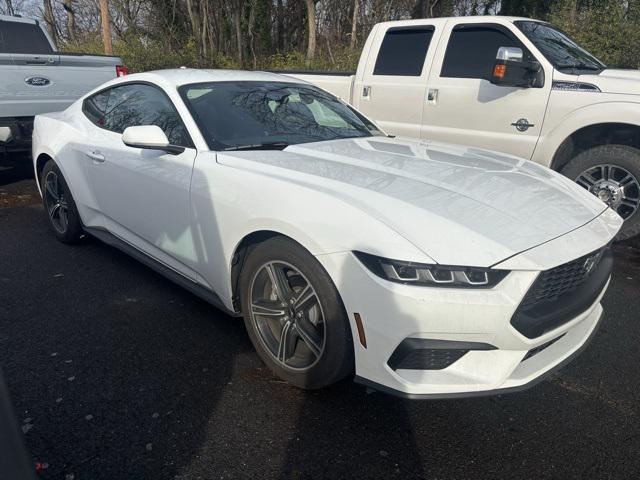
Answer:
(411, 273)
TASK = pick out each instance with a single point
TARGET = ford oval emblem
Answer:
(38, 81)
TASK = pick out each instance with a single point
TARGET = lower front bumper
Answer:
(525, 376)
(497, 357)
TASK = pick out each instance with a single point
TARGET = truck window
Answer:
(472, 49)
(403, 51)
(20, 37)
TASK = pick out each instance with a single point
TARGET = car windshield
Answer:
(560, 50)
(270, 115)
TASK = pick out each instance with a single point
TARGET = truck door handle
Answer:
(366, 92)
(432, 95)
(96, 156)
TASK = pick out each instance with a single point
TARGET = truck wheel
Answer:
(294, 315)
(59, 205)
(611, 173)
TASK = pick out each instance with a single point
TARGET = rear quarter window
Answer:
(403, 51)
(19, 37)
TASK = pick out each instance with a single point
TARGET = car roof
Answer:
(183, 76)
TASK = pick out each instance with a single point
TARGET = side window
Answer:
(21, 37)
(95, 106)
(135, 104)
(403, 51)
(472, 49)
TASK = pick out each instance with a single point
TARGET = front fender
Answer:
(228, 204)
(597, 113)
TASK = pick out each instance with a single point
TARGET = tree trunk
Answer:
(10, 9)
(354, 24)
(71, 20)
(251, 33)
(280, 24)
(195, 29)
(311, 20)
(105, 19)
(237, 18)
(50, 20)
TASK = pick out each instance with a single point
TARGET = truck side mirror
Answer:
(510, 69)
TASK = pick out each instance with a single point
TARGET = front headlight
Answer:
(411, 273)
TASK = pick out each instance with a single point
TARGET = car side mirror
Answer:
(149, 137)
(5, 134)
(511, 70)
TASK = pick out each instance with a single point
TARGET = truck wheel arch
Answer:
(595, 135)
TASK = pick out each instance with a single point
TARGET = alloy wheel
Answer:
(288, 316)
(56, 202)
(614, 185)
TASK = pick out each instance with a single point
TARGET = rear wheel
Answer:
(294, 315)
(612, 173)
(59, 204)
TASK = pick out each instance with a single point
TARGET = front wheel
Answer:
(294, 315)
(612, 173)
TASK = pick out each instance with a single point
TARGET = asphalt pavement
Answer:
(116, 373)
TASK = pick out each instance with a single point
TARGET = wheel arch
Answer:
(239, 255)
(38, 165)
(594, 135)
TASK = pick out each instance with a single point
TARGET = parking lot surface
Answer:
(116, 373)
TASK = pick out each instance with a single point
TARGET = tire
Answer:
(306, 364)
(59, 205)
(621, 190)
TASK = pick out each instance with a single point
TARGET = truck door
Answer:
(462, 106)
(393, 86)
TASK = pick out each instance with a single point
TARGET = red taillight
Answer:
(121, 71)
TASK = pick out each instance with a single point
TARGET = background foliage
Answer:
(302, 34)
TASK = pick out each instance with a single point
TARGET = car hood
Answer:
(615, 81)
(459, 205)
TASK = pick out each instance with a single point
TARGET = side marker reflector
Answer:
(360, 327)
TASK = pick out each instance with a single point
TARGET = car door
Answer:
(142, 195)
(462, 106)
(392, 89)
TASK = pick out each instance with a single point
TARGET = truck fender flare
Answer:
(599, 113)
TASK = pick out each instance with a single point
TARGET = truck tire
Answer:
(59, 205)
(612, 173)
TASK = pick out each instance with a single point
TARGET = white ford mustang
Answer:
(429, 270)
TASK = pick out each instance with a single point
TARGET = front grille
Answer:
(562, 293)
(552, 284)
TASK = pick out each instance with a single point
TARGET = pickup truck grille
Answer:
(562, 293)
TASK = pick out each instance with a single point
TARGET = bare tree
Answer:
(106, 27)
(354, 24)
(311, 24)
(10, 10)
(50, 20)
(71, 20)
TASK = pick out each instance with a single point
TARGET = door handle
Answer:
(432, 96)
(96, 156)
(366, 92)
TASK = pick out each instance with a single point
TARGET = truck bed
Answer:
(338, 83)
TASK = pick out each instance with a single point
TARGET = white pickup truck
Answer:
(36, 78)
(513, 85)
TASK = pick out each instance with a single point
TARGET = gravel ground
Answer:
(115, 373)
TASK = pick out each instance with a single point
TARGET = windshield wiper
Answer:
(260, 146)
